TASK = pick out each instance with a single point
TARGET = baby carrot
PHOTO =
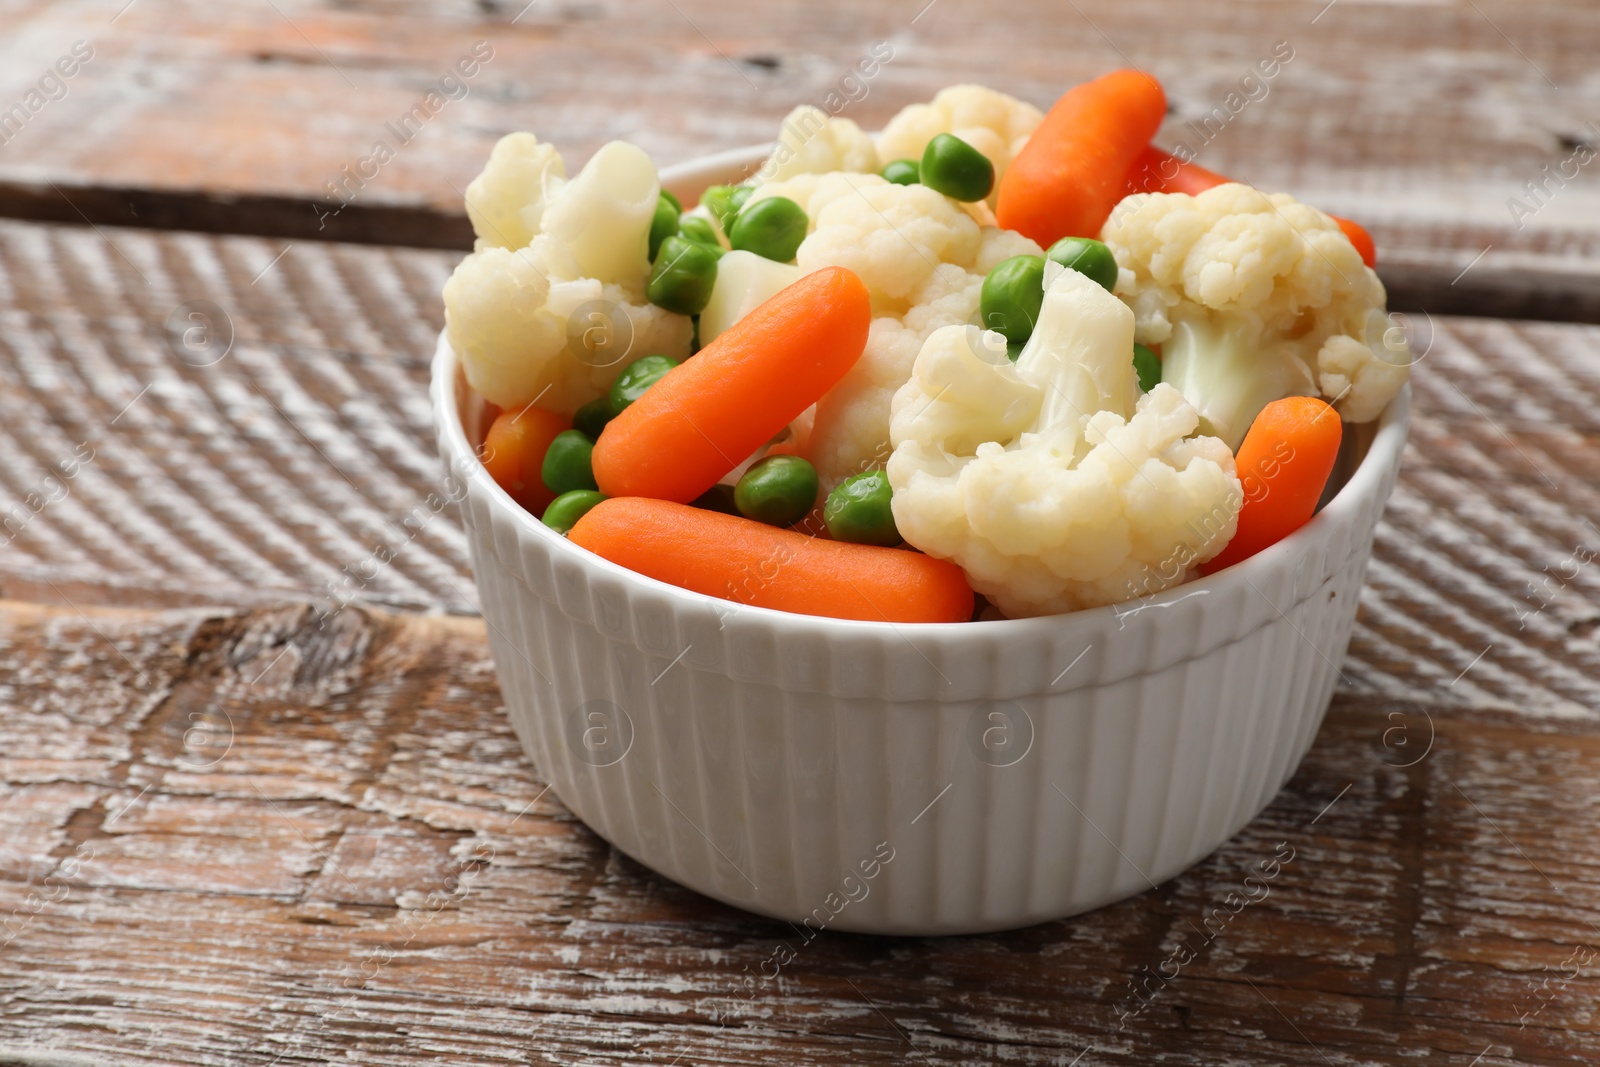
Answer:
(1284, 463)
(1155, 171)
(513, 454)
(1072, 171)
(708, 414)
(750, 562)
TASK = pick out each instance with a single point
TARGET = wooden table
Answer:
(234, 832)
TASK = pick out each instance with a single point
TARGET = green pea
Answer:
(953, 167)
(1086, 256)
(1011, 296)
(718, 498)
(772, 228)
(565, 510)
(715, 199)
(1014, 349)
(567, 465)
(663, 225)
(683, 277)
(1147, 365)
(676, 205)
(592, 417)
(903, 172)
(858, 511)
(635, 378)
(724, 201)
(777, 490)
(699, 230)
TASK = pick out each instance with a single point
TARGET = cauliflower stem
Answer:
(1216, 362)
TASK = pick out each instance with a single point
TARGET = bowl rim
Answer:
(1365, 483)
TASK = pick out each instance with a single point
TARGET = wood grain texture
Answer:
(1423, 120)
(148, 462)
(251, 839)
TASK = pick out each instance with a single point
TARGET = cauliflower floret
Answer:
(809, 142)
(995, 246)
(1254, 298)
(800, 188)
(851, 430)
(893, 236)
(602, 217)
(1046, 481)
(1366, 374)
(518, 330)
(992, 122)
(552, 302)
(506, 202)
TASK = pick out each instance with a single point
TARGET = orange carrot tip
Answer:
(1283, 464)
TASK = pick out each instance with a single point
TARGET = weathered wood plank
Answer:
(1425, 121)
(271, 461)
(350, 858)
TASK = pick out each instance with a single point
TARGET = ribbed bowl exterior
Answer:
(914, 779)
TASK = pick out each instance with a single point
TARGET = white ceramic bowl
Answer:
(913, 779)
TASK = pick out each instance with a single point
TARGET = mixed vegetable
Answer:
(991, 351)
